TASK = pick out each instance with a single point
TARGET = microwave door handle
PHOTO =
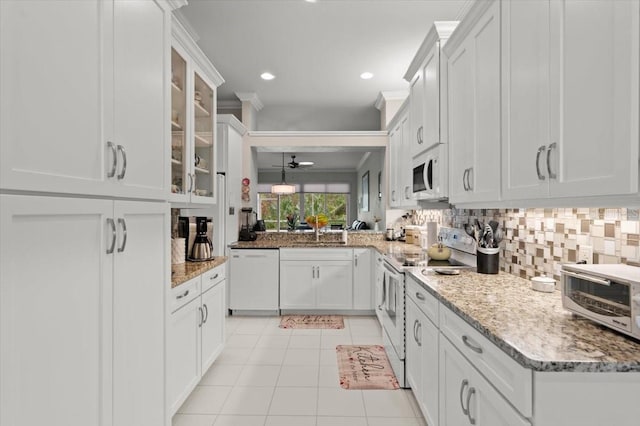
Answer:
(587, 278)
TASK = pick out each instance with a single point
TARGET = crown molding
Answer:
(464, 9)
(186, 25)
(231, 121)
(176, 4)
(472, 16)
(297, 133)
(363, 160)
(186, 41)
(440, 31)
(390, 95)
(229, 104)
(251, 97)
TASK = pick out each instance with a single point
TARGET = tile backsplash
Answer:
(538, 241)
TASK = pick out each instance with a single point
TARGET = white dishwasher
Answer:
(254, 281)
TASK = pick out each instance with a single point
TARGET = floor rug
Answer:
(312, 321)
(365, 367)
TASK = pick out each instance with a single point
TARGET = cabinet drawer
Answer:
(511, 379)
(316, 254)
(213, 277)
(427, 303)
(184, 293)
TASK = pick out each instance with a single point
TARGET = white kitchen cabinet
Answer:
(140, 274)
(427, 75)
(316, 279)
(94, 123)
(363, 279)
(467, 397)
(422, 351)
(473, 65)
(101, 324)
(401, 174)
(183, 335)
(570, 98)
(254, 280)
(193, 121)
(195, 334)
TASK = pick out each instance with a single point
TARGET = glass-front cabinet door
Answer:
(203, 158)
(179, 165)
(193, 117)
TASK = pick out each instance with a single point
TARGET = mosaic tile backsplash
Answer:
(539, 241)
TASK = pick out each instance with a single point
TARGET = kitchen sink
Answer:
(312, 244)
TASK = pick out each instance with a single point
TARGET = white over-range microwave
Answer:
(608, 294)
(430, 180)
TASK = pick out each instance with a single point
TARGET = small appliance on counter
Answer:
(248, 222)
(202, 247)
(608, 294)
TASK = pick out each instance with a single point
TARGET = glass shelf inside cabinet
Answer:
(178, 119)
(204, 104)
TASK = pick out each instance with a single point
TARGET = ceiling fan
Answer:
(293, 164)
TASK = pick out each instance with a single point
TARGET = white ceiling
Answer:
(317, 52)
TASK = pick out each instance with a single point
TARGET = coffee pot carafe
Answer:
(202, 247)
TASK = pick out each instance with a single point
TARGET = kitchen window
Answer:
(331, 199)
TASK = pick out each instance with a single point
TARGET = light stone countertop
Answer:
(531, 326)
(183, 272)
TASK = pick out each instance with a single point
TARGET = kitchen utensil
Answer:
(470, 230)
(488, 236)
(443, 271)
(494, 225)
(497, 236)
(202, 247)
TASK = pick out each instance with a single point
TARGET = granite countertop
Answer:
(185, 271)
(530, 326)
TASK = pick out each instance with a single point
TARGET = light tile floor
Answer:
(268, 376)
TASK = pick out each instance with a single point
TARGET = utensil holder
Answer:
(488, 260)
(177, 251)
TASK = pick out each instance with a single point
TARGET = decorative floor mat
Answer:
(312, 321)
(365, 367)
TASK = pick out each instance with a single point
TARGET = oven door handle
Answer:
(587, 278)
(384, 292)
(391, 270)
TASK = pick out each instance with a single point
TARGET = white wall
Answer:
(315, 118)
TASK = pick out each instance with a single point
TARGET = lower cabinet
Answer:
(422, 361)
(316, 279)
(467, 398)
(82, 311)
(363, 279)
(195, 334)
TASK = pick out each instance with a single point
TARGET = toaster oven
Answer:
(608, 294)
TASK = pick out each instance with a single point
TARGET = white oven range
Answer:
(391, 305)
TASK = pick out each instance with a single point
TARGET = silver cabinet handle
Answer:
(194, 183)
(213, 277)
(587, 278)
(407, 192)
(538, 154)
(318, 269)
(419, 329)
(551, 148)
(124, 162)
(463, 385)
(393, 195)
(202, 317)
(206, 314)
(466, 340)
(464, 179)
(415, 330)
(420, 296)
(469, 185)
(356, 260)
(112, 224)
(114, 161)
(472, 390)
(190, 183)
(185, 294)
(123, 225)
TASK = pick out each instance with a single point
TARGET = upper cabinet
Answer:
(193, 117)
(473, 52)
(570, 98)
(95, 121)
(427, 75)
(400, 174)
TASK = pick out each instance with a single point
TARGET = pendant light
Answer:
(284, 187)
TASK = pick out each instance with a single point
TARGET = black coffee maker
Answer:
(248, 221)
(202, 247)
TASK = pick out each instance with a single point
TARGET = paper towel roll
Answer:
(177, 251)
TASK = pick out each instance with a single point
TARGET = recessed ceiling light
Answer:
(366, 75)
(267, 76)
(310, 1)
